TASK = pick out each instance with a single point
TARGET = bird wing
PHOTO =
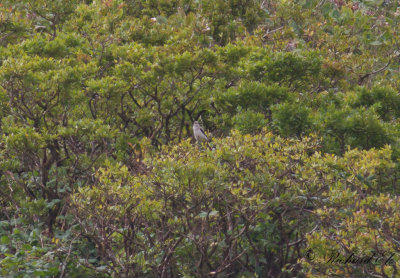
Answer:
(202, 131)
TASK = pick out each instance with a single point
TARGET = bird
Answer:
(198, 133)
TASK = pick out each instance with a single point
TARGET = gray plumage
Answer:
(199, 133)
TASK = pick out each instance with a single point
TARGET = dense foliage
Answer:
(99, 176)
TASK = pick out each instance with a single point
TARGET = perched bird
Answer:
(198, 133)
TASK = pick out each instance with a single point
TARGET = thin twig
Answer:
(272, 31)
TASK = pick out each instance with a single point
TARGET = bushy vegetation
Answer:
(100, 176)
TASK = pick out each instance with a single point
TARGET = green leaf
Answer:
(5, 240)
